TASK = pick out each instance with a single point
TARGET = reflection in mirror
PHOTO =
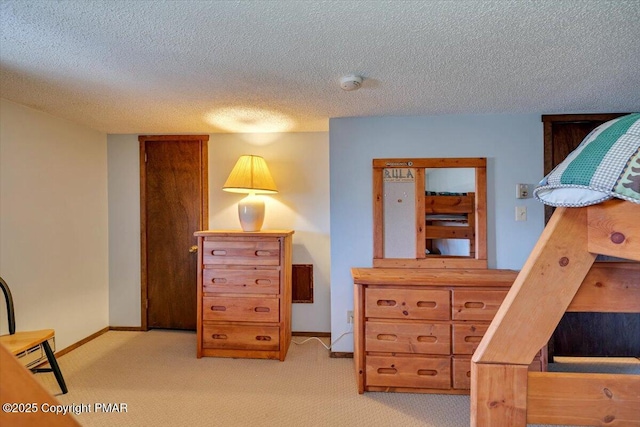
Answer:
(449, 200)
(429, 213)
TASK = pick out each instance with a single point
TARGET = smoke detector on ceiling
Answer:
(351, 82)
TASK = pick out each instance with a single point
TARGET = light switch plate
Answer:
(521, 213)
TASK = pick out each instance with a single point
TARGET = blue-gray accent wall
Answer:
(512, 144)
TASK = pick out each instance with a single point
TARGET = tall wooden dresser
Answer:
(244, 294)
(416, 329)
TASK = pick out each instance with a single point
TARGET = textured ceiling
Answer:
(260, 66)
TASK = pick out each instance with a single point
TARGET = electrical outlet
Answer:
(349, 316)
(522, 191)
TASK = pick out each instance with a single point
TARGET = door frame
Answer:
(204, 208)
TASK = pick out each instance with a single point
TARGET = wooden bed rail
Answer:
(557, 277)
(583, 399)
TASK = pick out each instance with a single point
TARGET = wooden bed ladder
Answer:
(558, 277)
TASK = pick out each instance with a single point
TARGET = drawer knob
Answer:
(218, 308)
(427, 304)
(218, 280)
(217, 252)
(427, 372)
(473, 304)
(263, 338)
(427, 338)
(219, 336)
(388, 371)
(263, 282)
(263, 253)
(386, 303)
(387, 337)
(262, 309)
(473, 339)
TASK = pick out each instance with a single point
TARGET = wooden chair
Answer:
(18, 342)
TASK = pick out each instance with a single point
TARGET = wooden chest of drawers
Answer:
(244, 294)
(416, 329)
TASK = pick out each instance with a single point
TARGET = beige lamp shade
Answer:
(250, 175)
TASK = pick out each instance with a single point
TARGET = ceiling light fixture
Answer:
(247, 119)
(351, 82)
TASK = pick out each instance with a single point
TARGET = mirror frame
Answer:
(422, 260)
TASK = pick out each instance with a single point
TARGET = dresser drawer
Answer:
(467, 337)
(461, 373)
(241, 252)
(415, 372)
(242, 281)
(240, 337)
(476, 305)
(407, 304)
(398, 337)
(249, 309)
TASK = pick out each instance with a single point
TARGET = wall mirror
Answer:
(430, 213)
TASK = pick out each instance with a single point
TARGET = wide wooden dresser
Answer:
(415, 330)
(244, 294)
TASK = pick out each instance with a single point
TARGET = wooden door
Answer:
(174, 201)
(585, 334)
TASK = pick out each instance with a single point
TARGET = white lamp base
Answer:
(251, 213)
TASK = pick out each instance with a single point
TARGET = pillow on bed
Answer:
(606, 164)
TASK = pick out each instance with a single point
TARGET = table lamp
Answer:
(250, 176)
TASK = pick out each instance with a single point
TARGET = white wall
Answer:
(53, 223)
(124, 230)
(513, 145)
(299, 163)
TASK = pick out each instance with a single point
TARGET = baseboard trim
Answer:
(312, 334)
(139, 329)
(81, 342)
(340, 355)
(127, 328)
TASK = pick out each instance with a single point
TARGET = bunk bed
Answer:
(596, 214)
(450, 216)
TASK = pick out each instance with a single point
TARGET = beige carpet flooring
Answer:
(157, 375)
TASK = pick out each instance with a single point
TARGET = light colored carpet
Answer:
(157, 375)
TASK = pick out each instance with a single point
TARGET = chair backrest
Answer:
(9, 300)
